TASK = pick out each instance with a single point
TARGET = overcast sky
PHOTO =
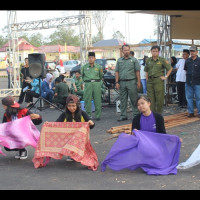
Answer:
(135, 27)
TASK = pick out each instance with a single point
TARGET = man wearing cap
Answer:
(155, 69)
(192, 86)
(92, 74)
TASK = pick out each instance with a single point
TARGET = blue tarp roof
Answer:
(175, 47)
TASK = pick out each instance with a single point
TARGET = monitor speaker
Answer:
(37, 65)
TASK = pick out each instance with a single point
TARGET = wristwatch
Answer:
(166, 76)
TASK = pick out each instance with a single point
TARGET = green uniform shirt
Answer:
(91, 73)
(157, 67)
(78, 82)
(127, 68)
(62, 89)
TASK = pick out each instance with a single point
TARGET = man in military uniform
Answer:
(127, 76)
(77, 85)
(155, 70)
(92, 74)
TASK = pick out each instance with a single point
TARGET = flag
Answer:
(61, 63)
(155, 153)
(5, 57)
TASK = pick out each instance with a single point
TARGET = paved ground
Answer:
(62, 175)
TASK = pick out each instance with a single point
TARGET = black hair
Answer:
(77, 114)
(78, 71)
(125, 45)
(155, 47)
(62, 77)
(144, 97)
(186, 51)
(174, 59)
(132, 53)
(12, 111)
(144, 60)
(58, 80)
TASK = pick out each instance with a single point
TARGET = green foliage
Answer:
(62, 36)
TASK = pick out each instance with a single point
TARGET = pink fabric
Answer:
(19, 134)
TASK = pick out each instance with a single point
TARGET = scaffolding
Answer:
(83, 20)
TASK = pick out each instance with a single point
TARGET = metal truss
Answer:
(164, 35)
(47, 23)
(83, 20)
(165, 42)
(85, 34)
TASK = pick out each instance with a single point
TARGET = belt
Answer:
(92, 81)
(152, 77)
(126, 79)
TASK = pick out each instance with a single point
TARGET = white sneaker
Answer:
(24, 155)
(17, 156)
(69, 159)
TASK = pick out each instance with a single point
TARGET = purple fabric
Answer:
(19, 134)
(148, 123)
(155, 153)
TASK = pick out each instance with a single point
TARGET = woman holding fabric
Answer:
(74, 113)
(146, 148)
(147, 120)
(13, 111)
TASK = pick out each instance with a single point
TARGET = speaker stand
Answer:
(40, 107)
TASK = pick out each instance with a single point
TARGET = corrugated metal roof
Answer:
(111, 42)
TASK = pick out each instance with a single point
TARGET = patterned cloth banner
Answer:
(153, 152)
(18, 134)
(60, 139)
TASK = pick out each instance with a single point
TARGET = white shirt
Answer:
(181, 73)
(142, 72)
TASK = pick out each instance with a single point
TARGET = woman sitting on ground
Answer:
(147, 120)
(74, 113)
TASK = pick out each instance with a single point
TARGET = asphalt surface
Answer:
(62, 175)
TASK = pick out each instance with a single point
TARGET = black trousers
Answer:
(14, 149)
(22, 94)
(29, 96)
(181, 93)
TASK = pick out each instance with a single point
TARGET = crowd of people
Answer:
(130, 77)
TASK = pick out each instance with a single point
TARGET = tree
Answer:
(100, 18)
(96, 38)
(2, 40)
(62, 36)
(118, 35)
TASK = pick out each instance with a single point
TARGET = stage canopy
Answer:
(185, 24)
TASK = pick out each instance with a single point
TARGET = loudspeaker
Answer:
(37, 65)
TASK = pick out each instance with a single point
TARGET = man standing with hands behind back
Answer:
(127, 76)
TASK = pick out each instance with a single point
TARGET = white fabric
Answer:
(192, 161)
(181, 73)
(142, 72)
